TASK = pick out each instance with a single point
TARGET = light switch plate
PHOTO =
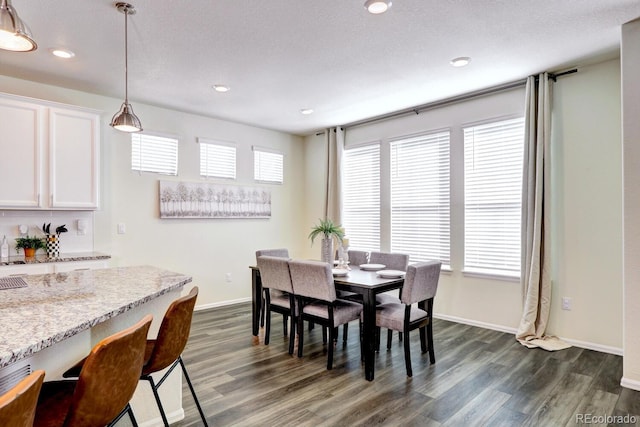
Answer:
(122, 228)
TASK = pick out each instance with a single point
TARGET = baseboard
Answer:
(582, 344)
(221, 304)
(592, 346)
(632, 384)
(172, 417)
(470, 322)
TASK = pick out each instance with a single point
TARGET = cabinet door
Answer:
(20, 148)
(73, 159)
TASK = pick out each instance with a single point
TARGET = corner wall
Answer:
(631, 154)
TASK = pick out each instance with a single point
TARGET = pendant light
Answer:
(125, 120)
(15, 35)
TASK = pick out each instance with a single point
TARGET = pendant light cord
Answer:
(126, 56)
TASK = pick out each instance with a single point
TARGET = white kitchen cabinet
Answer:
(50, 155)
(21, 135)
(73, 159)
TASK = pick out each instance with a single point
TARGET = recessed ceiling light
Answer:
(460, 61)
(62, 53)
(221, 88)
(306, 111)
(377, 6)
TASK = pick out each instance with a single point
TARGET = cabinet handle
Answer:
(51, 201)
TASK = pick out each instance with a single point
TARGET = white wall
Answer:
(207, 249)
(587, 204)
(631, 154)
(587, 209)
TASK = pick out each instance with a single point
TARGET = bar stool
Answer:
(100, 395)
(18, 405)
(166, 350)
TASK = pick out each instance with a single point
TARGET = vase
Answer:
(53, 247)
(327, 250)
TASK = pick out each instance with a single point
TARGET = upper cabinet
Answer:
(49, 155)
(73, 159)
(21, 135)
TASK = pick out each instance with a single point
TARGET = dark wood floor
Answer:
(480, 378)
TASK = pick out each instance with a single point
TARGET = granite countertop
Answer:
(56, 306)
(42, 258)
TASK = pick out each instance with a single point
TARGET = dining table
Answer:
(364, 282)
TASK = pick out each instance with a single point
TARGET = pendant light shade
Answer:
(125, 119)
(15, 35)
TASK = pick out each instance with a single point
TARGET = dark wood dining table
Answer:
(365, 283)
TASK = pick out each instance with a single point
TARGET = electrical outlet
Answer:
(122, 228)
(566, 303)
(227, 277)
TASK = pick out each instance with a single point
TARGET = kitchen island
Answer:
(57, 318)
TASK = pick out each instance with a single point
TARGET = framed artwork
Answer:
(179, 199)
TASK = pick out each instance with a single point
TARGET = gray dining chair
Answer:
(391, 261)
(420, 286)
(358, 257)
(279, 296)
(315, 292)
(279, 252)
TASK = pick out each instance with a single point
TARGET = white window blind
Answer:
(217, 159)
(268, 165)
(361, 197)
(154, 153)
(420, 212)
(493, 154)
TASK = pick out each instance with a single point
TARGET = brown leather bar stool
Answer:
(166, 350)
(18, 405)
(100, 395)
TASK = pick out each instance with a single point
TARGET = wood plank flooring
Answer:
(480, 378)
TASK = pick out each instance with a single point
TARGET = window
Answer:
(217, 159)
(493, 154)
(420, 212)
(268, 165)
(361, 197)
(154, 153)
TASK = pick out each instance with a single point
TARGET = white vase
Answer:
(327, 250)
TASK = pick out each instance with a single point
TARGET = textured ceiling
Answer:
(280, 56)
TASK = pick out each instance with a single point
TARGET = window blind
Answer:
(217, 159)
(361, 197)
(420, 212)
(493, 154)
(268, 165)
(154, 153)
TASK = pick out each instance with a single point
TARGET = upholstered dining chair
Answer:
(420, 286)
(315, 291)
(276, 279)
(18, 405)
(357, 258)
(101, 393)
(391, 261)
(281, 253)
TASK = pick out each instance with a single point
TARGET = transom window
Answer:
(154, 153)
(217, 159)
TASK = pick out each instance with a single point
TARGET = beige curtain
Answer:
(335, 148)
(536, 257)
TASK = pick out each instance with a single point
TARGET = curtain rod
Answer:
(448, 101)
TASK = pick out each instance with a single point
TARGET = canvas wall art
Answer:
(179, 199)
